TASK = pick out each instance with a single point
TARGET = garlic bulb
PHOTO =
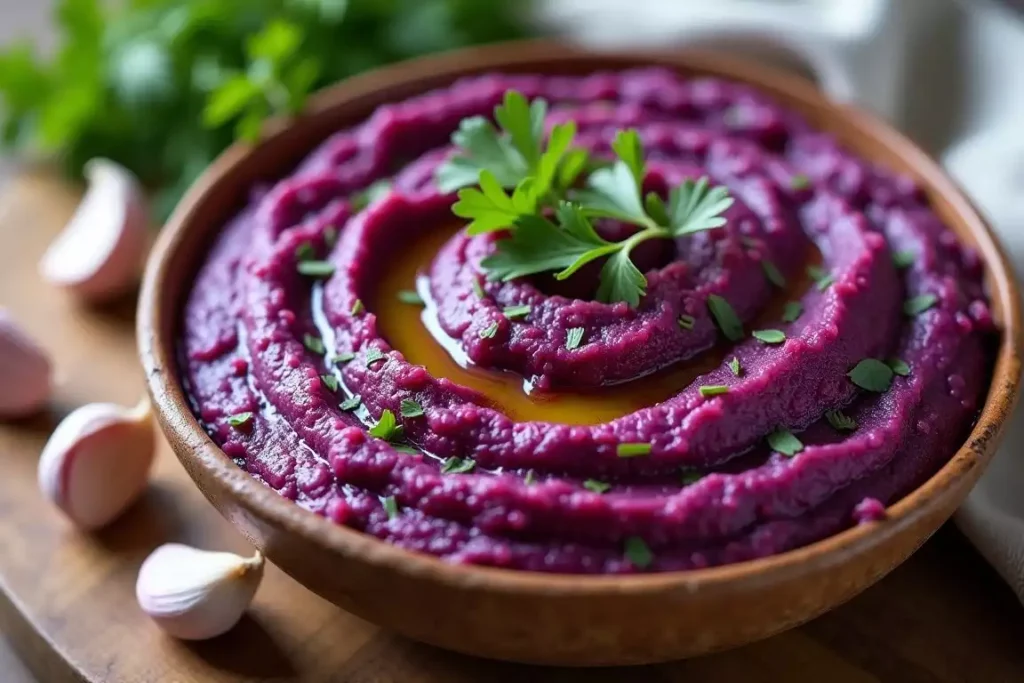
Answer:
(97, 461)
(197, 594)
(100, 252)
(24, 371)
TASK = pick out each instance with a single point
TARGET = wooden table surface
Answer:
(67, 600)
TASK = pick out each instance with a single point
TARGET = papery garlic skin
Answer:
(25, 371)
(197, 594)
(100, 252)
(97, 461)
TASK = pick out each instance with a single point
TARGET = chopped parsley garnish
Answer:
(632, 450)
(530, 478)
(390, 507)
(686, 321)
(596, 486)
(903, 258)
(240, 419)
(305, 252)
(919, 304)
(490, 163)
(513, 312)
(638, 553)
(769, 336)
(709, 390)
(373, 355)
(783, 441)
(822, 278)
(478, 288)
(458, 465)
(410, 408)
(573, 338)
(791, 311)
(330, 236)
(387, 427)
(410, 296)
(871, 374)
(489, 331)
(357, 307)
(799, 182)
(313, 343)
(691, 477)
(371, 194)
(350, 403)
(405, 448)
(899, 366)
(840, 421)
(773, 274)
(734, 366)
(330, 381)
(317, 269)
(726, 318)
(344, 357)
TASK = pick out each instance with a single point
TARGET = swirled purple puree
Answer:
(795, 450)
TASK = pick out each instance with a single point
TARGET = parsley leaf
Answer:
(387, 427)
(903, 258)
(871, 374)
(791, 311)
(240, 419)
(769, 336)
(919, 304)
(314, 344)
(632, 450)
(482, 149)
(390, 507)
(734, 366)
(350, 403)
(783, 441)
(621, 280)
(596, 486)
(899, 366)
(694, 207)
(411, 408)
(686, 322)
(840, 421)
(513, 312)
(489, 331)
(537, 245)
(455, 465)
(638, 553)
(573, 338)
(410, 296)
(490, 208)
(710, 390)
(773, 274)
(724, 314)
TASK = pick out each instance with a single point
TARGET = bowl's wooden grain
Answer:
(534, 617)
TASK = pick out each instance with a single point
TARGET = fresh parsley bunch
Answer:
(162, 86)
(549, 223)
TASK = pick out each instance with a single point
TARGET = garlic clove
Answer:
(100, 252)
(97, 461)
(197, 594)
(24, 371)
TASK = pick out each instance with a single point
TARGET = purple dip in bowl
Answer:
(704, 487)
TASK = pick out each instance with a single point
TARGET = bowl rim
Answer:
(160, 361)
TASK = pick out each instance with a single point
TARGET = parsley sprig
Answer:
(526, 188)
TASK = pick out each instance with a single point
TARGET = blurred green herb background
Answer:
(162, 86)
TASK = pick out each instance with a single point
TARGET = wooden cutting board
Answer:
(67, 599)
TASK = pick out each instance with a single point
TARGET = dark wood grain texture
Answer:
(530, 616)
(67, 604)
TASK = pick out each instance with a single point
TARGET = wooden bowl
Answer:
(535, 617)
